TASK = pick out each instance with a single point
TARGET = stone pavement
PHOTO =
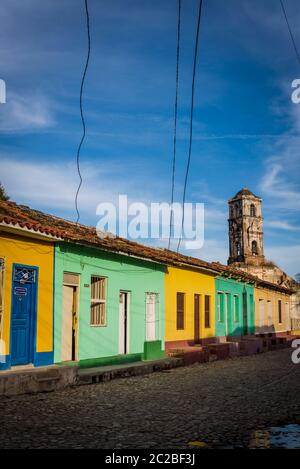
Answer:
(219, 404)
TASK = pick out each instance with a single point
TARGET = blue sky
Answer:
(246, 127)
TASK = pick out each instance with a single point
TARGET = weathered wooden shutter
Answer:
(180, 310)
(279, 311)
(207, 311)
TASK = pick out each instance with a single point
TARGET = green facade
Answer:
(98, 345)
(234, 308)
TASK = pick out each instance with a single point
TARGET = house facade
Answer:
(26, 296)
(235, 315)
(68, 295)
(109, 307)
(189, 306)
(272, 310)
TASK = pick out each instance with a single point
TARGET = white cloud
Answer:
(282, 225)
(286, 257)
(280, 182)
(44, 184)
(212, 250)
(31, 112)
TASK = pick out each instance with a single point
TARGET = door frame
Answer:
(156, 316)
(245, 311)
(226, 295)
(33, 318)
(261, 316)
(227, 311)
(199, 296)
(76, 293)
(271, 327)
(127, 295)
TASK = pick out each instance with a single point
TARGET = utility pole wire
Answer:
(175, 118)
(81, 108)
(290, 31)
(191, 121)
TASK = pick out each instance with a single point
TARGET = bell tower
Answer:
(246, 245)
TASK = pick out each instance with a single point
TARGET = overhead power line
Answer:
(191, 120)
(290, 31)
(175, 117)
(81, 107)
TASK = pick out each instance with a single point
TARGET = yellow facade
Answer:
(28, 251)
(267, 311)
(189, 282)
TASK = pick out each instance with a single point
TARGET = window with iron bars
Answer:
(98, 301)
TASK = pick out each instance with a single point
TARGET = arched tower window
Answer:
(252, 210)
(238, 248)
(254, 248)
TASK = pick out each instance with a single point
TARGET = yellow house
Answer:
(189, 306)
(26, 290)
(272, 309)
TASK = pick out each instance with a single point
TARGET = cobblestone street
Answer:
(220, 404)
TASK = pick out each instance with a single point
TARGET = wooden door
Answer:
(196, 319)
(67, 335)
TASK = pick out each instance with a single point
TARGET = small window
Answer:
(238, 248)
(1, 292)
(280, 311)
(98, 301)
(254, 248)
(252, 210)
(207, 311)
(180, 311)
(236, 308)
(71, 279)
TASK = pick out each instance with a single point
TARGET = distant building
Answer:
(246, 244)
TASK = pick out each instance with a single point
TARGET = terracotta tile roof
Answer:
(25, 217)
(13, 214)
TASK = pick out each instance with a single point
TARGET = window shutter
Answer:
(279, 312)
(207, 311)
(180, 311)
(98, 301)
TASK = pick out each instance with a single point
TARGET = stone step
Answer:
(107, 373)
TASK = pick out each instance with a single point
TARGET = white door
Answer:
(150, 317)
(270, 317)
(287, 316)
(262, 315)
(123, 323)
(67, 323)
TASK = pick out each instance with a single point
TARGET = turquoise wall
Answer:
(123, 273)
(228, 289)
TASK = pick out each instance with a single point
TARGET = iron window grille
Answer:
(24, 275)
(98, 301)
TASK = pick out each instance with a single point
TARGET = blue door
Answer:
(23, 316)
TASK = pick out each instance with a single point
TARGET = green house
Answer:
(234, 308)
(109, 306)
